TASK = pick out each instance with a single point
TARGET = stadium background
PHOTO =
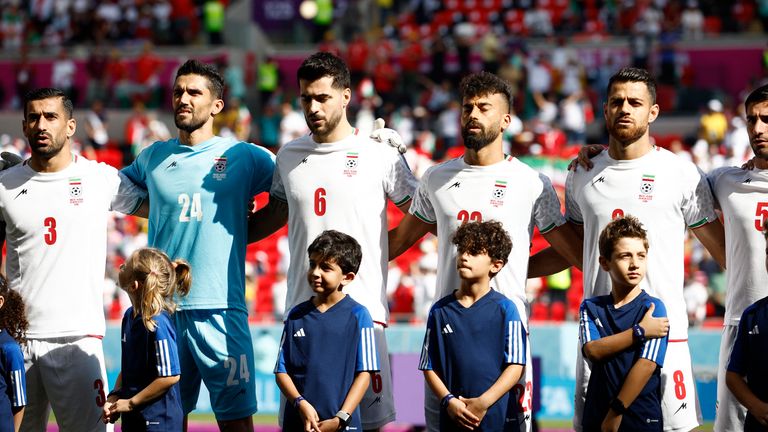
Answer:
(117, 58)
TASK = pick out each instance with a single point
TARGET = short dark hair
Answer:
(485, 84)
(210, 72)
(487, 237)
(758, 95)
(323, 64)
(623, 227)
(337, 247)
(47, 93)
(630, 74)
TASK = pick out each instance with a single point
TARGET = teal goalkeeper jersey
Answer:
(199, 198)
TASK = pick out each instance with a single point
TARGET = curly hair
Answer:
(623, 227)
(160, 281)
(13, 318)
(487, 237)
(485, 84)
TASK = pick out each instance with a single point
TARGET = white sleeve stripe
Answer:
(374, 361)
(368, 348)
(364, 348)
(424, 361)
(585, 330)
(651, 349)
(163, 357)
(519, 351)
(19, 397)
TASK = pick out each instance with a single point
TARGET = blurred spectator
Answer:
(438, 51)
(573, 118)
(713, 124)
(737, 142)
(161, 25)
(146, 79)
(692, 21)
(213, 21)
(464, 35)
(448, 128)
(183, 27)
(12, 20)
(63, 75)
(538, 21)
(234, 121)
(292, 124)
(234, 81)
(121, 89)
(96, 68)
(357, 58)
(424, 281)
(96, 125)
(490, 51)
(268, 79)
(269, 128)
(410, 61)
(557, 291)
(696, 296)
(25, 79)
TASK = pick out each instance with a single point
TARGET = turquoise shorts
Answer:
(215, 347)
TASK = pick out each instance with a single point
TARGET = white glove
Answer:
(8, 159)
(388, 136)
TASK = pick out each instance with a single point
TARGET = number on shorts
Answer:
(50, 236)
(618, 213)
(376, 382)
(320, 201)
(191, 208)
(465, 216)
(101, 398)
(231, 364)
(678, 379)
(520, 392)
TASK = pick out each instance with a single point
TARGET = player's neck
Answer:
(623, 294)
(471, 291)
(197, 136)
(54, 164)
(760, 163)
(488, 155)
(343, 130)
(634, 150)
(325, 301)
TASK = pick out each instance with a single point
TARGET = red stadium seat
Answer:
(712, 25)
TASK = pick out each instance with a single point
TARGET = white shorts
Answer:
(730, 414)
(679, 399)
(522, 392)
(378, 405)
(69, 374)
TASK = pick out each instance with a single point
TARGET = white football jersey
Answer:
(343, 186)
(509, 192)
(667, 194)
(56, 234)
(743, 197)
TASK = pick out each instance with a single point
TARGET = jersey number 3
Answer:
(50, 235)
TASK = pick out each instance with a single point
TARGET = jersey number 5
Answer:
(761, 214)
(50, 236)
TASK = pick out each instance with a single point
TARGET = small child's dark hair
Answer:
(617, 229)
(488, 237)
(13, 318)
(337, 247)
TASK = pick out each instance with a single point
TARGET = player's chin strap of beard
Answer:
(8, 159)
(388, 136)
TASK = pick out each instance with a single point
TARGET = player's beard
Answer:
(193, 123)
(331, 122)
(56, 143)
(627, 134)
(477, 141)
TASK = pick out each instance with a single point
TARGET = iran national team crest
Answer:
(220, 168)
(350, 164)
(646, 187)
(75, 191)
(499, 190)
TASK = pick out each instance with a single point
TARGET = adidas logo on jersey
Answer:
(300, 333)
(447, 329)
(754, 331)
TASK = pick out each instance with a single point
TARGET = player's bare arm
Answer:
(457, 410)
(354, 396)
(712, 236)
(143, 210)
(550, 261)
(508, 378)
(18, 415)
(267, 220)
(408, 232)
(638, 376)
(738, 386)
(568, 242)
(305, 409)
(606, 347)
